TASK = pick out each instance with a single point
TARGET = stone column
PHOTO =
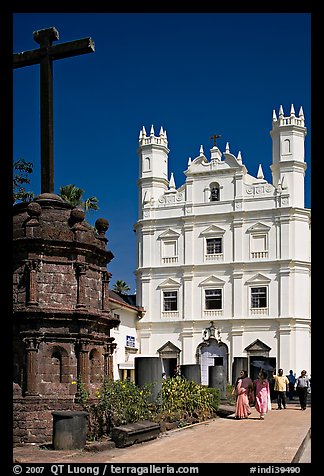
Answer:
(32, 345)
(32, 266)
(108, 356)
(83, 361)
(104, 291)
(81, 270)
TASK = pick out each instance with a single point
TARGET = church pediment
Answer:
(258, 279)
(169, 234)
(231, 160)
(201, 159)
(257, 345)
(212, 281)
(258, 227)
(168, 348)
(212, 231)
(169, 283)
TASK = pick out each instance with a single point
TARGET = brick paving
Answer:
(277, 439)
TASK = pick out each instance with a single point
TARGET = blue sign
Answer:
(130, 341)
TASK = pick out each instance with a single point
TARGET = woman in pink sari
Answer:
(244, 392)
(262, 394)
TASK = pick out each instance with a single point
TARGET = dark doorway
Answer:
(170, 367)
(257, 363)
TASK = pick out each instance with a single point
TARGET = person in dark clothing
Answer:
(273, 394)
(291, 386)
(302, 389)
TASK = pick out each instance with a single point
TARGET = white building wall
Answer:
(251, 213)
(124, 353)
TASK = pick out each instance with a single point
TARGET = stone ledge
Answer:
(127, 435)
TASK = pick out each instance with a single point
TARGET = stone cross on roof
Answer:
(214, 137)
(44, 56)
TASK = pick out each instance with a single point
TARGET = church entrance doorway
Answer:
(212, 353)
(169, 366)
(170, 355)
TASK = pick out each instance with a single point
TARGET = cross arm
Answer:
(63, 50)
(71, 48)
(28, 58)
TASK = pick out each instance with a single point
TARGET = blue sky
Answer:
(194, 74)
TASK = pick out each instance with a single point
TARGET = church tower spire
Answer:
(288, 153)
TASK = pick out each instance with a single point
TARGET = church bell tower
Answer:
(153, 166)
(288, 154)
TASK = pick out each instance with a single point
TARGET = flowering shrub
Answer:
(120, 402)
(82, 393)
(182, 399)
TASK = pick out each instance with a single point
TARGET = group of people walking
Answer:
(257, 392)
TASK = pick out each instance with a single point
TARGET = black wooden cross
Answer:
(214, 137)
(44, 56)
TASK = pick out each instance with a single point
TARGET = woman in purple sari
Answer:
(244, 392)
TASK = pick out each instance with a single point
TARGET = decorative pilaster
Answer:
(105, 291)
(32, 346)
(81, 270)
(108, 362)
(83, 361)
(32, 266)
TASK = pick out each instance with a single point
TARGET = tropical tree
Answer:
(74, 195)
(22, 171)
(121, 286)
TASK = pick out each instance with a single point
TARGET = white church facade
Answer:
(224, 261)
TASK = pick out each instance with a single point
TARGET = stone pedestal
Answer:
(191, 372)
(217, 378)
(69, 430)
(148, 370)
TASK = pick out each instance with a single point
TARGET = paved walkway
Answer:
(277, 439)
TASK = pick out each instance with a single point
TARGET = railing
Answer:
(173, 314)
(213, 312)
(153, 140)
(173, 259)
(287, 121)
(259, 311)
(259, 254)
(214, 257)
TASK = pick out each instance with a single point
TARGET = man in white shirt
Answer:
(302, 388)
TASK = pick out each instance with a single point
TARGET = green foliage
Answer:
(181, 398)
(120, 402)
(215, 394)
(82, 394)
(74, 196)
(121, 286)
(230, 394)
(22, 171)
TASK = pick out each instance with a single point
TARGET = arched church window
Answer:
(56, 369)
(286, 146)
(147, 164)
(214, 192)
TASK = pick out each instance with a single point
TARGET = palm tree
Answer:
(73, 195)
(121, 287)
